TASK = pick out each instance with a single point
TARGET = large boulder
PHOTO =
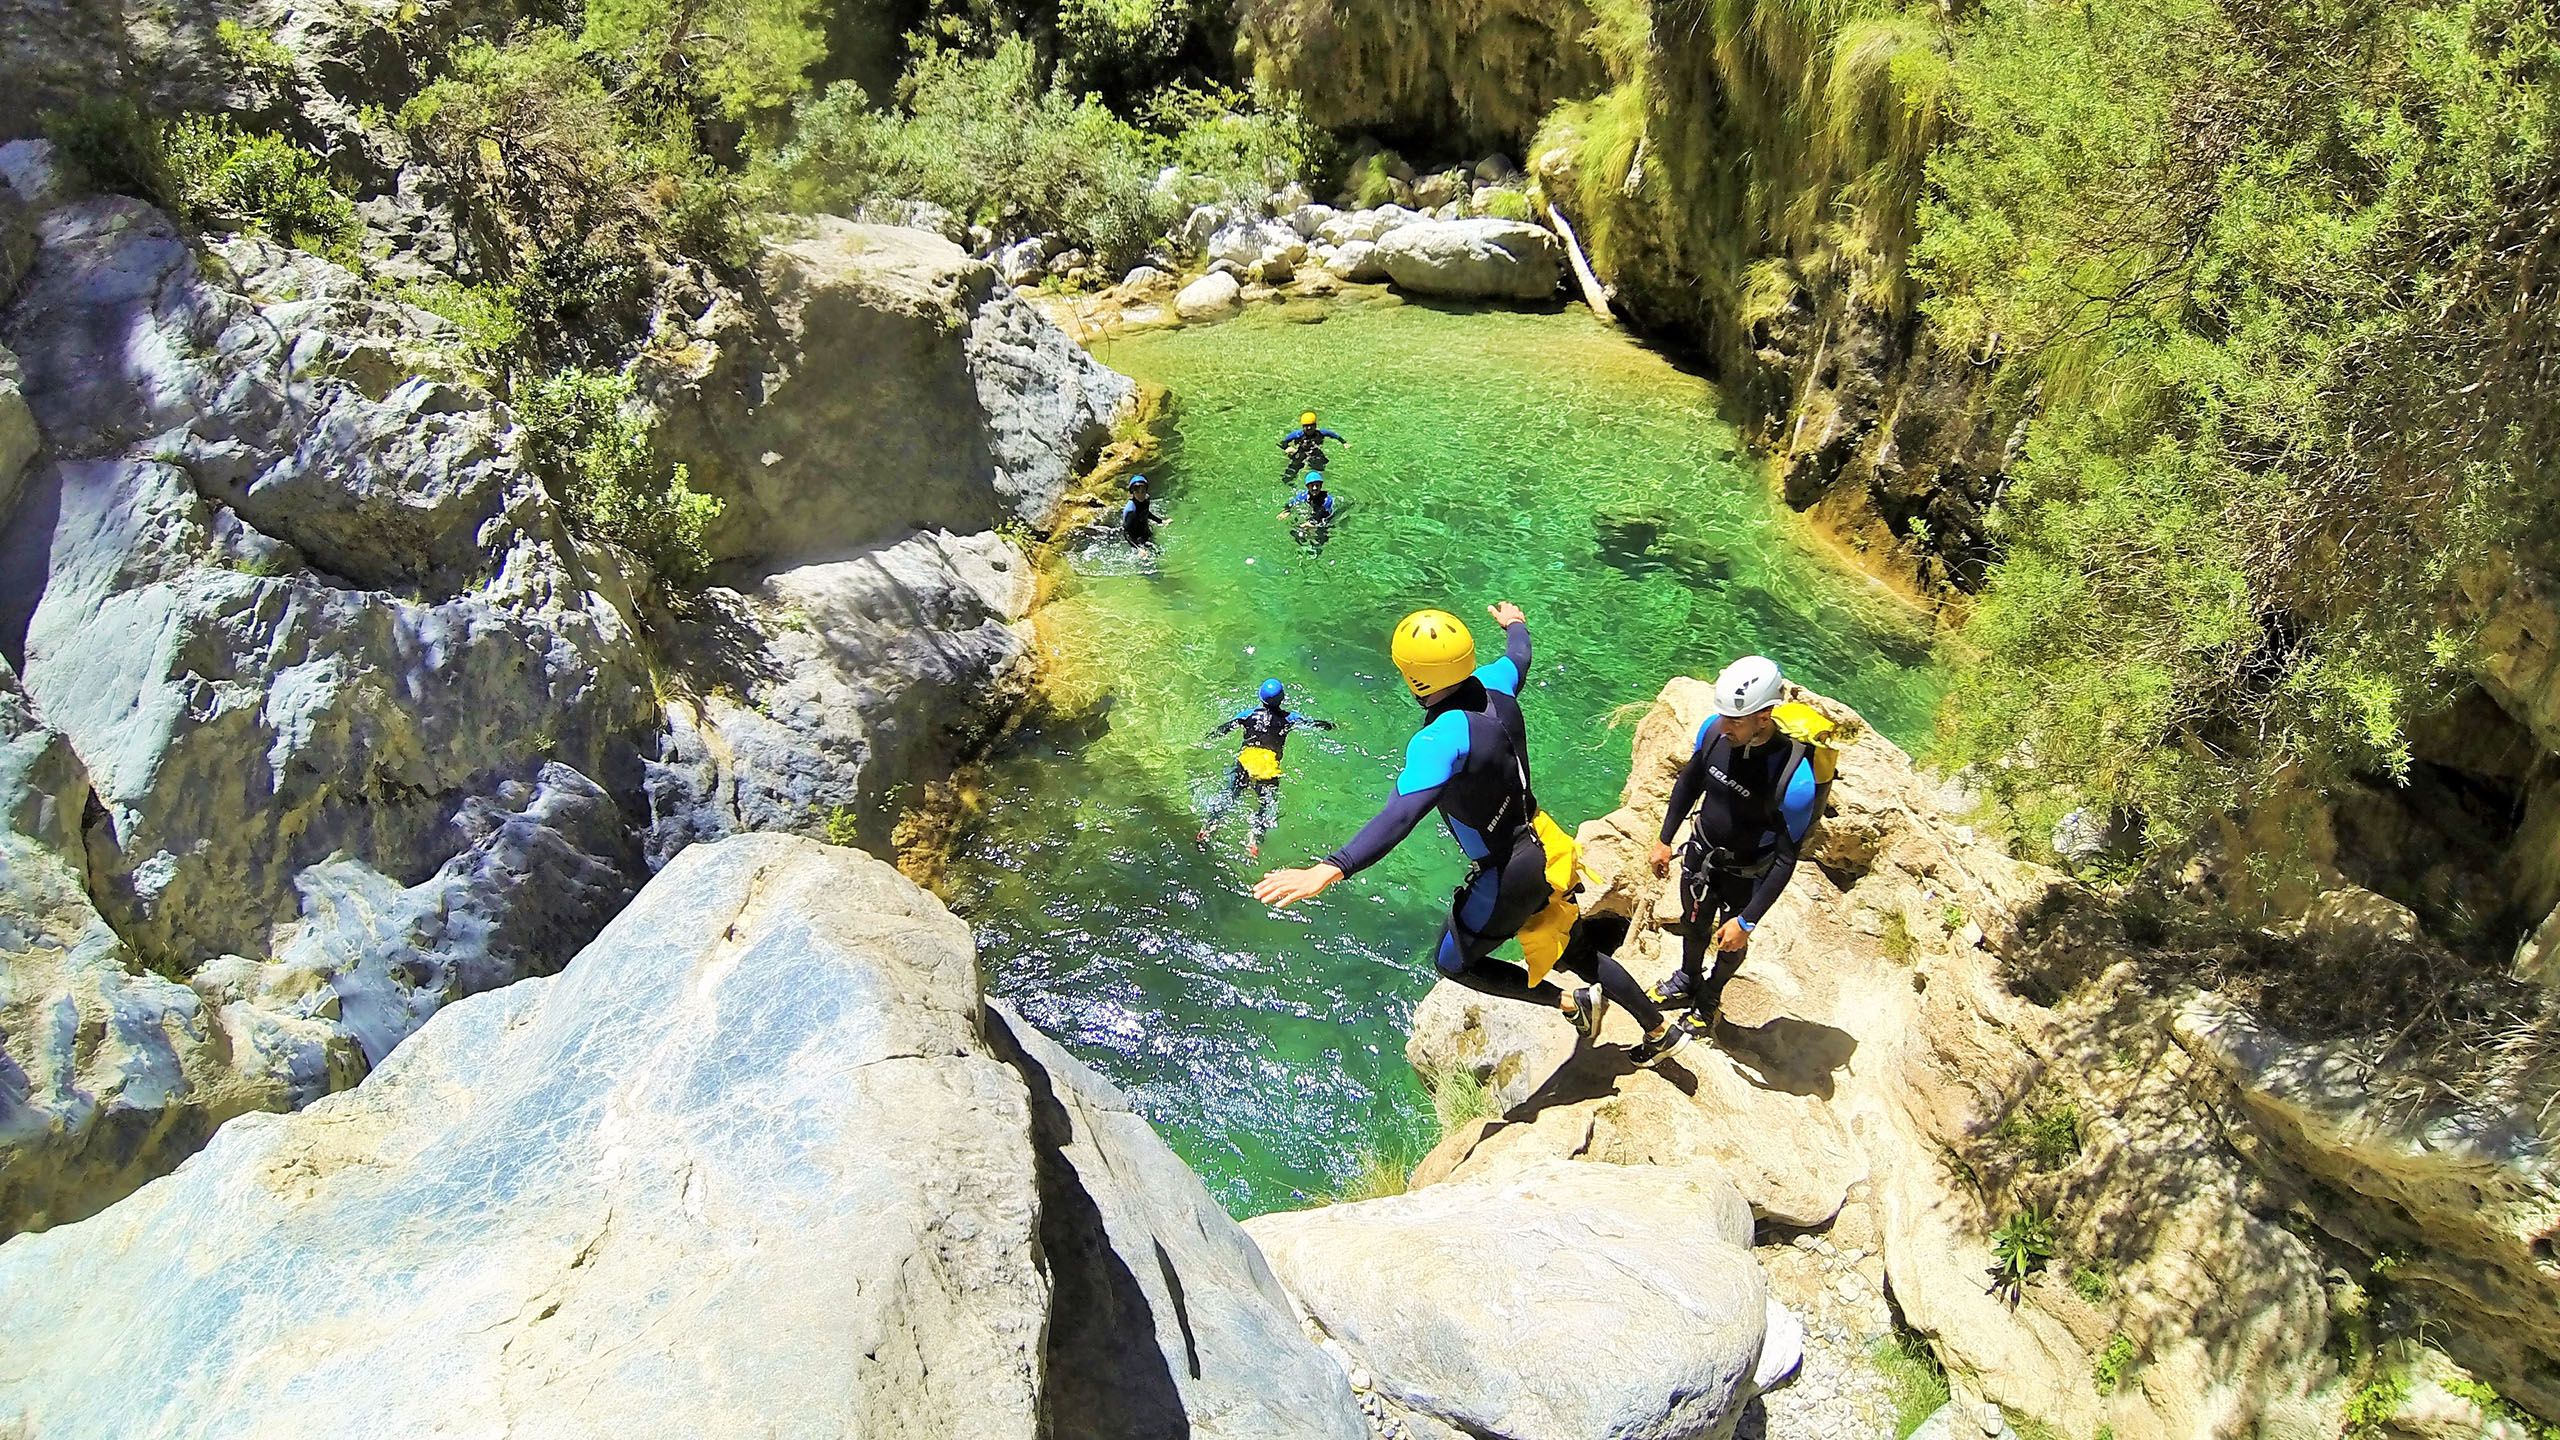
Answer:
(340, 689)
(1214, 296)
(1473, 259)
(867, 674)
(1509, 1048)
(750, 1165)
(892, 386)
(1357, 261)
(1562, 1301)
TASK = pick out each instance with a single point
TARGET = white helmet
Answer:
(1749, 685)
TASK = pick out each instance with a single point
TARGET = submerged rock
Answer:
(1565, 1301)
(750, 1165)
(1473, 259)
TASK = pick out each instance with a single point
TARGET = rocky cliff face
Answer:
(345, 725)
(1932, 1040)
(757, 1161)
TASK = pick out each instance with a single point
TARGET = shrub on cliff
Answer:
(988, 138)
(264, 183)
(585, 437)
(2281, 284)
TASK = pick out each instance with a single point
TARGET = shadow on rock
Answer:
(1784, 1053)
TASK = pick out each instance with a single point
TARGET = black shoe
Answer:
(1673, 991)
(1590, 1006)
(1655, 1048)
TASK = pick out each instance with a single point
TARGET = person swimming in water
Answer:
(1138, 519)
(1470, 761)
(1305, 446)
(1266, 731)
(1318, 500)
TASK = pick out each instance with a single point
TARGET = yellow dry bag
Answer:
(1542, 940)
(1259, 763)
(1813, 730)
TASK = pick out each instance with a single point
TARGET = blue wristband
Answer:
(1747, 926)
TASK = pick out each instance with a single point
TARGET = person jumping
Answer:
(1266, 731)
(1757, 791)
(1305, 447)
(1470, 761)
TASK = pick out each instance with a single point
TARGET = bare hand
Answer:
(1731, 936)
(1660, 859)
(1283, 888)
(1505, 613)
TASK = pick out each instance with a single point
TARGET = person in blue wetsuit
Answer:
(1319, 501)
(1756, 793)
(1470, 762)
(1266, 730)
(1305, 446)
(1138, 519)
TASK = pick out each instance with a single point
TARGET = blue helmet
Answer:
(1271, 691)
(1137, 480)
(1315, 477)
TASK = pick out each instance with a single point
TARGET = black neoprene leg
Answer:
(1592, 953)
(1495, 902)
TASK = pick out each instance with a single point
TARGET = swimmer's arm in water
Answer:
(1230, 725)
(1297, 719)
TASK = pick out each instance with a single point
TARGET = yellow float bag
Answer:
(1259, 763)
(1813, 730)
(1542, 940)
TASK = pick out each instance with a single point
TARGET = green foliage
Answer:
(1509, 205)
(1372, 182)
(1121, 47)
(1897, 942)
(265, 183)
(2115, 1364)
(116, 148)
(843, 827)
(2019, 1248)
(2093, 1283)
(1243, 144)
(2497, 1407)
(1376, 1174)
(585, 436)
(1460, 1096)
(735, 58)
(2370, 1409)
(1913, 1377)
(258, 53)
(492, 332)
(988, 138)
(2048, 1138)
(2260, 266)
(568, 183)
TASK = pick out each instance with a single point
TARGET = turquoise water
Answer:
(1542, 459)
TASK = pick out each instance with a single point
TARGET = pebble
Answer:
(1808, 1242)
(1361, 1378)
(1992, 1421)
(1848, 1289)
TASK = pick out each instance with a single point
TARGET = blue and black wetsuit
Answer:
(1265, 727)
(1754, 806)
(1319, 504)
(1470, 761)
(1138, 521)
(1305, 449)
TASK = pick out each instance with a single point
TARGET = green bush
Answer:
(492, 331)
(2047, 1138)
(2019, 1248)
(2093, 1283)
(258, 53)
(2115, 1364)
(265, 183)
(1245, 144)
(2251, 262)
(988, 138)
(116, 148)
(1120, 47)
(583, 435)
(733, 58)
(1509, 205)
(1372, 182)
(1460, 1096)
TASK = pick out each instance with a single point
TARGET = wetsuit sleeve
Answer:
(1507, 673)
(1430, 759)
(1294, 501)
(1297, 719)
(1328, 434)
(1686, 789)
(1795, 821)
(1230, 725)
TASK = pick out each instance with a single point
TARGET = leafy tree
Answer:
(2278, 282)
(584, 435)
(737, 58)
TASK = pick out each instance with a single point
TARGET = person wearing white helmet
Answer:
(1755, 792)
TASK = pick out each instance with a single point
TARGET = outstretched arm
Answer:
(1508, 673)
(1430, 758)
(1229, 725)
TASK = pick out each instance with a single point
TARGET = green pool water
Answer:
(1539, 458)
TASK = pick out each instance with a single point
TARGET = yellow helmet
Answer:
(1434, 650)
(1307, 419)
